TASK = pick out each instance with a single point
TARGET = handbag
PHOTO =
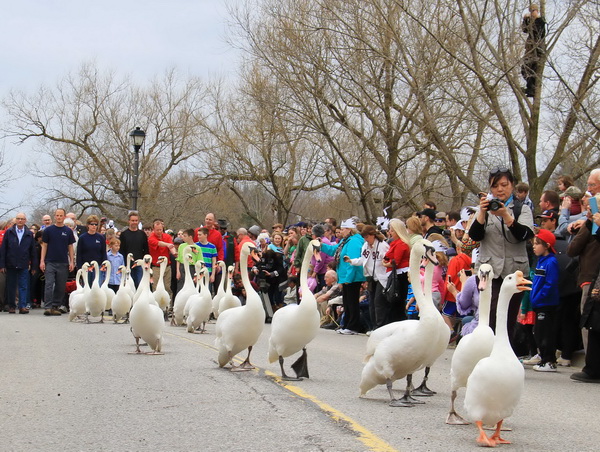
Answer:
(392, 288)
(590, 315)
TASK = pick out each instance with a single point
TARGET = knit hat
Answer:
(548, 237)
(254, 230)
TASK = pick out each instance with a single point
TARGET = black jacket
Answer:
(18, 255)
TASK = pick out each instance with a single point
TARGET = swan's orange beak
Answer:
(522, 283)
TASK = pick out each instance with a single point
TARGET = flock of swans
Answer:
(483, 362)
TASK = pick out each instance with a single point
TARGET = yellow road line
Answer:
(368, 438)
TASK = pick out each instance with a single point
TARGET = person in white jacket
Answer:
(373, 251)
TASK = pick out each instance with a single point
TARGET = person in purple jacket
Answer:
(545, 299)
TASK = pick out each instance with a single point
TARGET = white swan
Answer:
(496, 383)
(295, 325)
(161, 296)
(77, 297)
(122, 301)
(437, 345)
(396, 350)
(146, 318)
(108, 292)
(229, 300)
(220, 291)
(186, 291)
(200, 303)
(473, 347)
(239, 328)
(95, 301)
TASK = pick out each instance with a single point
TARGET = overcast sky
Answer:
(44, 40)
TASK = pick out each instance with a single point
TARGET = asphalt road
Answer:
(74, 387)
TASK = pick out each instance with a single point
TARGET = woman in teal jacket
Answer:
(349, 276)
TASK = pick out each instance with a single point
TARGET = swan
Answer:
(146, 318)
(77, 297)
(472, 347)
(496, 383)
(295, 325)
(200, 303)
(95, 302)
(220, 291)
(122, 302)
(186, 291)
(229, 300)
(437, 345)
(108, 292)
(398, 349)
(239, 328)
(161, 296)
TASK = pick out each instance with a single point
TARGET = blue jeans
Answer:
(17, 277)
(136, 275)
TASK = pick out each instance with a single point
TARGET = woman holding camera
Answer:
(503, 228)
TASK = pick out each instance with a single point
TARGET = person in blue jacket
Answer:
(349, 276)
(545, 299)
(17, 256)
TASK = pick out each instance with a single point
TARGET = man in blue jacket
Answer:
(17, 254)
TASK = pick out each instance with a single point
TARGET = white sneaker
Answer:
(347, 332)
(563, 362)
(534, 360)
(546, 367)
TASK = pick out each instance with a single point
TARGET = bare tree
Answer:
(258, 146)
(83, 125)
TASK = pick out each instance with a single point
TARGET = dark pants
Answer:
(544, 332)
(513, 309)
(56, 281)
(136, 275)
(17, 278)
(592, 355)
(568, 331)
(350, 297)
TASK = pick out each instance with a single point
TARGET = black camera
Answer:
(495, 204)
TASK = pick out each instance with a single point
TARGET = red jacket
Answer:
(459, 262)
(400, 252)
(157, 251)
(238, 249)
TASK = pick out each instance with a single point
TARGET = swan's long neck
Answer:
(78, 279)
(485, 300)
(415, 277)
(223, 279)
(96, 282)
(245, 279)
(186, 269)
(145, 284)
(123, 281)
(304, 269)
(129, 260)
(108, 270)
(228, 280)
(86, 281)
(502, 316)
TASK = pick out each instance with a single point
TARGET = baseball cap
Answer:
(572, 192)
(548, 214)
(548, 237)
(428, 213)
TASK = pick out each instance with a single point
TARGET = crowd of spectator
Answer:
(556, 243)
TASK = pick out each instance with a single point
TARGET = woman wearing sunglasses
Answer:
(91, 246)
(503, 228)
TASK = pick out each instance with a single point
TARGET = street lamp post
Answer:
(137, 138)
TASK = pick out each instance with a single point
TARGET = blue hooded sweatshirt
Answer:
(545, 289)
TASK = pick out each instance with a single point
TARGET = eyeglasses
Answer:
(439, 220)
(499, 170)
(92, 224)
